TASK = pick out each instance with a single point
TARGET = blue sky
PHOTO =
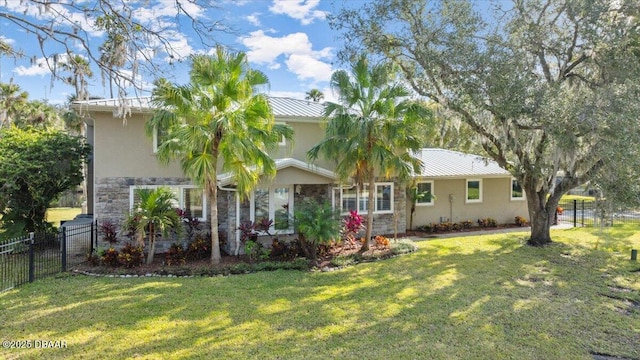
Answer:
(289, 40)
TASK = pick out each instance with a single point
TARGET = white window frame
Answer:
(466, 191)
(431, 200)
(520, 198)
(155, 140)
(180, 197)
(272, 209)
(363, 194)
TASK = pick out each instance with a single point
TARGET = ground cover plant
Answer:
(476, 297)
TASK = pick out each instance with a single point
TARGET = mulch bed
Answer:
(160, 266)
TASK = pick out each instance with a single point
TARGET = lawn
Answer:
(482, 297)
(55, 215)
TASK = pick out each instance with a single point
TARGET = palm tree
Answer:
(113, 54)
(12, 102)
(80, 70)
(155, 212)
(315, 95)
(372, 130)
(218, 118)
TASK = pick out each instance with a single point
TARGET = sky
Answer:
(289, 40)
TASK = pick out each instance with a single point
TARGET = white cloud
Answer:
(253, 19)
(300, 57)
(166, 8)
(306, 67)
(7, 40)
(303, 10)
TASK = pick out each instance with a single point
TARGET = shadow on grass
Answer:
(487, 297)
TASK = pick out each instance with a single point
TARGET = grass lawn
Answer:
(483, 297)
(55, 215)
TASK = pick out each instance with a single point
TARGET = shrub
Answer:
(466, 224)
(316, 224)
(110, 257)
(487, 222)
(109, 232)
(382, 241)
(130, 256)
(520, 221)
(284, 250)
(175, 255)
(198, 249)
(255, 251)
(403, 247)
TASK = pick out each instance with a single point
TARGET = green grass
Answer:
(481, 297)
(55, 215)
(567, 198)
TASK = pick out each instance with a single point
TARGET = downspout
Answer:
(237, 251)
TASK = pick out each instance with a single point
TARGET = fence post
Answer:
(64, 249)
(582, 213)
(575, 212)
(32, 264)
(92, 235)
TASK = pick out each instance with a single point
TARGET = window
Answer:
(347, 198)
(159, 136)
(188, 198)
(474, 191)
(425, 193)
(516, 190)
(273, 203)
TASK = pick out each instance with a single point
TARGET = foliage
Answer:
(255, 251)
(382, 241)
(487, 222)
(520, 221)
(466, 224)
(109, 232)
(352, 224)
(155, 213)
(74, 28)
(316, 224)
(35, 167)
(549, 87)
(403, 246)
(371, 129)
(284, 250)
(191, 224)
(218, 116)
(19, 111)
(314, 94)
(198, 249)
(130, 256)
(109, 257)
(175, 255)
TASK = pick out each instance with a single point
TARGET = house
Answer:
(124, 159)
(460, 187)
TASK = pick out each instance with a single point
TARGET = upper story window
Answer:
(516, 190)
(348, 199)
(474, 191)
(425, 193)
(159, 135)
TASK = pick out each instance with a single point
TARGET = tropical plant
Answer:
(414, 194)
(155, 213)
(549, 86)
(109, 232)
(316, 224)
(372, 128)
(314, 94)
(218, 119)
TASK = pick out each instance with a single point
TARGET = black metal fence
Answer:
(586, 213)
(37, 256)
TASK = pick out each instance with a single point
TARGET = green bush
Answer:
(404, 246)
(109, 257)
(131, 256)
(175, 255)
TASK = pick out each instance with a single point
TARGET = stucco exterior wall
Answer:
(496, 203)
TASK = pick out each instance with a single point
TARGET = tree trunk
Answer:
(213, 209)
(152, 244)
(541, 213)
(370, 208)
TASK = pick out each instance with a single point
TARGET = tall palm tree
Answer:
(12, 102)
(218, 119)
(315, 95)
(80, 70)
(372, 128)
(155, 212)
(113, 54)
